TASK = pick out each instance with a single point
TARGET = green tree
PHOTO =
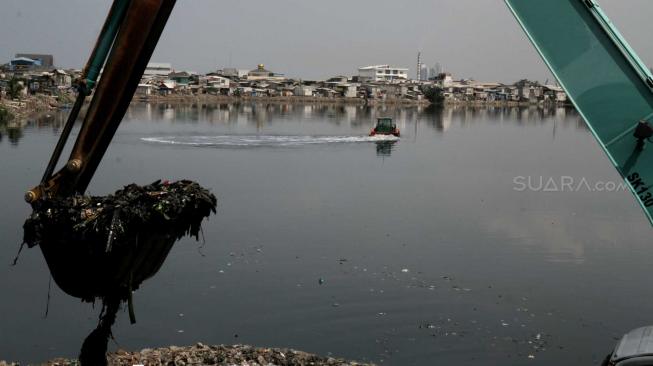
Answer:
(435, 95)
(525, 82)
(5, 116)
(14, 88)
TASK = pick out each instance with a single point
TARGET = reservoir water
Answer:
(482, 236)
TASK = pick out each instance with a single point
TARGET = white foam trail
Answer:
(263, 140)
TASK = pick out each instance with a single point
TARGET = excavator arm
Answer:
(122, 51)
(608, 83)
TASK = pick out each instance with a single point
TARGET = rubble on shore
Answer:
(33, 104)
(200, 354)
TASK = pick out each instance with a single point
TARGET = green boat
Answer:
(385, 126)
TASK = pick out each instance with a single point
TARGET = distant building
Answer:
(46, 61)
(529, 91)
(433, 73)
(41, 84)
(234, 73)
(260, 73)
(445, 80)
(158, 69)
(218, 85)
(182, 78)
(349, 91)
(303, 91)
(62, 79)
(167, 87)
(23, 64)
(424, 73)
(382, 73)
(218, 82)
(145, 90)
(338, 79)
(556, 93)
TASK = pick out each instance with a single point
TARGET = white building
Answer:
(235, 73)
(350, 91)
(218, 82)
(62, 79)
(445, 80)
(560, 95)
(303, 91)
(158, 69)
(145, 90)
(382, 73)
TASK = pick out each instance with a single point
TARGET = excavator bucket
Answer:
(607, 82)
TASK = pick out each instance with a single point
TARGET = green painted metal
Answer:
(385, 125)
(96, 63)
(604, 78)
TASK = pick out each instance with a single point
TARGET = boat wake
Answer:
(263, 140)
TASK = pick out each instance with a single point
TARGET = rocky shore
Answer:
(200, 354)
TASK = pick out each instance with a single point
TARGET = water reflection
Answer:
(261, 115)
(13, 130)
(384, 148)
(442, 119)
(12, 133)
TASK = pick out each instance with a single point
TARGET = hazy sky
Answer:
(314, 39)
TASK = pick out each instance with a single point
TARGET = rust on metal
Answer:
(132, 49)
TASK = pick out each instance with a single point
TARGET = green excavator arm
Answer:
(607, 82)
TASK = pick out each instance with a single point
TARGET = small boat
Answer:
(385, 126)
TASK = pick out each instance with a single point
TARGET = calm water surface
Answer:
(428, 249)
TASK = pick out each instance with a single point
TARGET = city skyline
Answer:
(478, 39)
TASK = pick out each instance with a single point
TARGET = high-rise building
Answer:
(424, 72)
(432, 73)
(438, 69)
